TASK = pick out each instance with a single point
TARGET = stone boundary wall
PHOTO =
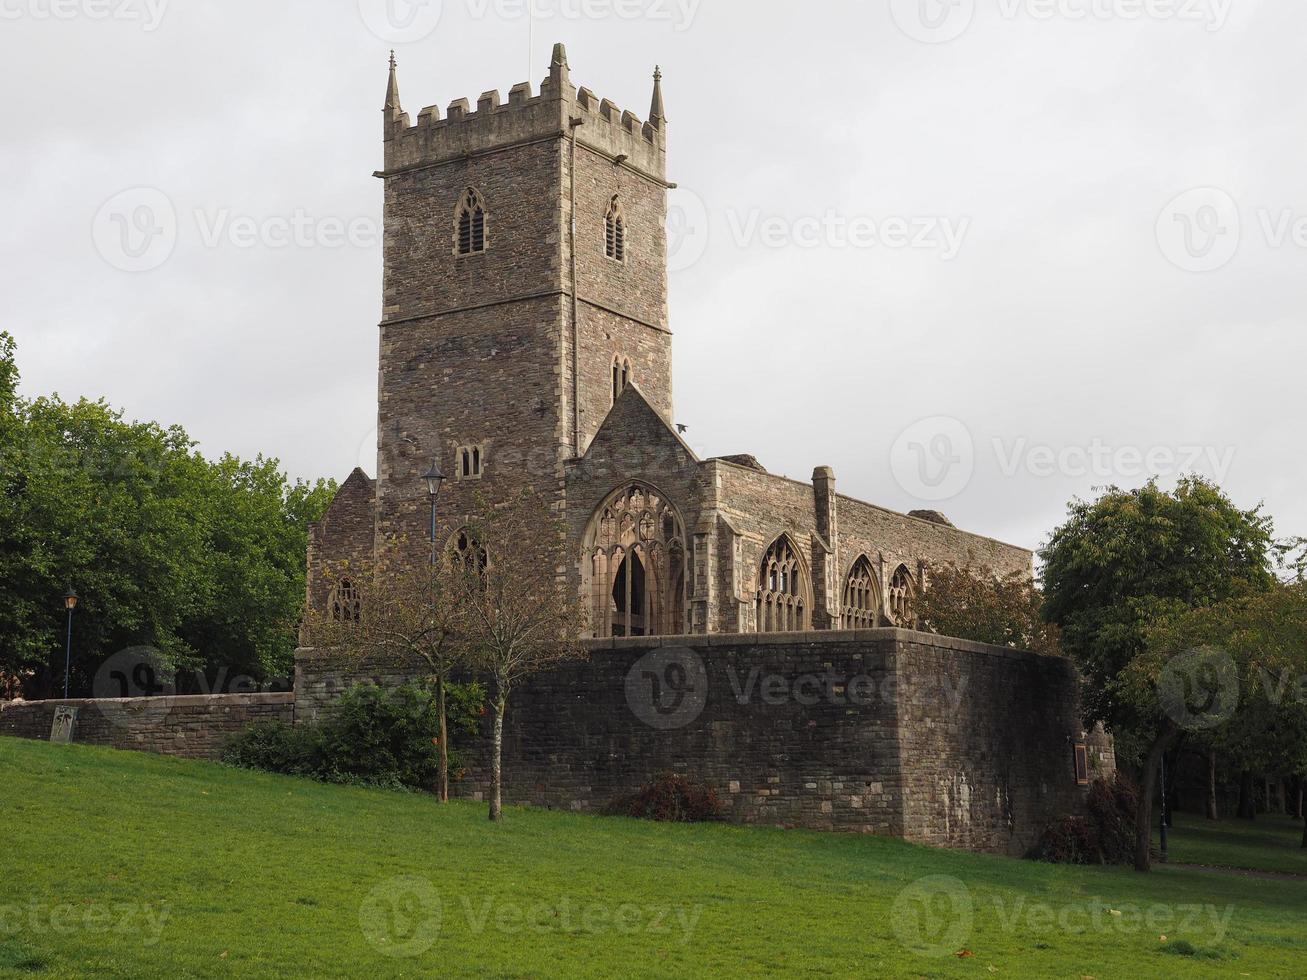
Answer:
(190, 726)
(886, 731)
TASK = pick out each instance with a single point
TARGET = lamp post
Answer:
(70, 603)
(434, 479)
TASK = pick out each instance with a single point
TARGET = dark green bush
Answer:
(375, 737)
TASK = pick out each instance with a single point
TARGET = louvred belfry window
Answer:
(615, 231)
(470, 224)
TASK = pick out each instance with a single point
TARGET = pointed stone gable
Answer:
(636, 435)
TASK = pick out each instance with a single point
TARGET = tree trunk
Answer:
(496, 766)
(1144, 814)
(1213, 809)
(1247, 796)
(1304, 834)
(1300, 798)
(443, 740)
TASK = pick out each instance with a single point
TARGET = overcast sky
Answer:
(988, 255)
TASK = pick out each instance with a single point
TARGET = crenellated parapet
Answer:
(526, 116)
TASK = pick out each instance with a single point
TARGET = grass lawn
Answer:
(131, 864)
(1269, 843)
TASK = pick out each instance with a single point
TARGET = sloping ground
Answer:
(1269, 843)
(131, 864)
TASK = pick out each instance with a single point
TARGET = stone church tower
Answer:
(525, 284)
(525, 342)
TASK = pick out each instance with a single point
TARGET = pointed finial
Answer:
(392, 111)
(559, 59)
(393, 63)
(657, 116)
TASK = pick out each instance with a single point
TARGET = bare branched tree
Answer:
(397, 610)
(516, 614)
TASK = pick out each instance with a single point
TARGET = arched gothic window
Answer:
(466, 552)
(344, 602)
(902, 599)
(861, 607)
(621, 375)
(635, 565)
(783, 601)
(470, 224)
(615, 231)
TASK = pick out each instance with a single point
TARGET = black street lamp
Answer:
(434, 479)
(70, 603)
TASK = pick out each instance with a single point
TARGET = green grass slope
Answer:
(124, 864)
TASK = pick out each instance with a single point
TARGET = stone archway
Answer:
(635, 564)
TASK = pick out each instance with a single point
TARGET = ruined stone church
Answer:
(525, 340)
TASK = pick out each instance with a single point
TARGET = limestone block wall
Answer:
(193, 727)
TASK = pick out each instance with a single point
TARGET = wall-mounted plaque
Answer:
(65, 724)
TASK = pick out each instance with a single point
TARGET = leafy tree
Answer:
(1128, 560)
(203, 561)
(516, 612)
(975, 605)
(1236, 672)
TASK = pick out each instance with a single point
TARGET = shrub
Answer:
(375, 737)
(671, 798)
(276, 747)
(1105, 836)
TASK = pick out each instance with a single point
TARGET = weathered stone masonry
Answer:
(191, 726)
(885, 731)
